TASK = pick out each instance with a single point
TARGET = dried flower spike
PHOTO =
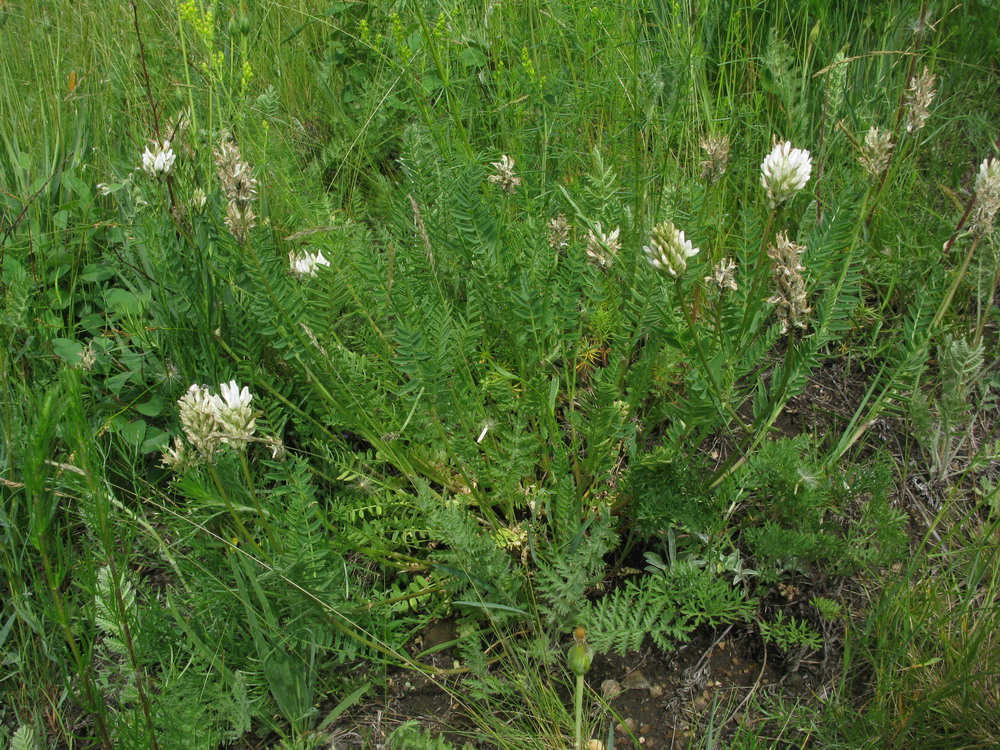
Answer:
(558, 232)
(601, 247)
(987, 196)
(504, 175)
(239, 187)
(918, 99)
(160, 161)
(175, 457)
(668, 249)
(790, 295)
(784, 172)
(716, 150)
(723, 275)
(876, 151)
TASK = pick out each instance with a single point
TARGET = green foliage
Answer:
(666, 608)
(941, 428)
(787, 632)
(410, 736)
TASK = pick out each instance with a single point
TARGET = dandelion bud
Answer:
(668, 249)
(716, 150)
(918, 98)
(876, 151)
(790, 295)
(580, 655)
(159, 161)
(504, 175)
(233, 414)
(601, 247)
(785, 172)
(987, 196)
(305, 264)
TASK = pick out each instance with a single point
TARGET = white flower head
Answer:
(668, 249)
(784, 172)
(305, 264)
(160, 161)
(236, 421)
(198, 419)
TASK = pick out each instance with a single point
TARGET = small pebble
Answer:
(656, 691)
(636, 681)
(610, 689)
(645, 729)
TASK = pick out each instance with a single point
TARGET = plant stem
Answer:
(579, 712)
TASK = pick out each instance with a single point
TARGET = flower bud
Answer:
(668, 249)
(580, 654)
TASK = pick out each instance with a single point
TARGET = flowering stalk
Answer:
(580, 656)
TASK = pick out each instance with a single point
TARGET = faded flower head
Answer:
(305, 264)
(239, 187)
(790, 292)
(601, 247)
(504, 175)
(876, 151)
(176, 457)
(198, 420)
(784, 172)
(723, 275)
(198, 199)
(987, 196)
(233, 414)
(716, 150)
(918, 100)
(558, 232)
(238, 183)
(88, 357)
(159, 161)
(668, 249)
(240, 219)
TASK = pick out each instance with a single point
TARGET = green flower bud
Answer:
(580, 654)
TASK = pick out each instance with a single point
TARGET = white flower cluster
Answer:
(210, 420)
(784, 172)
(668, 249)
(305, 264)
(160, 161)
